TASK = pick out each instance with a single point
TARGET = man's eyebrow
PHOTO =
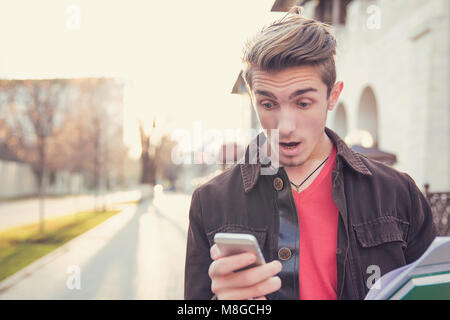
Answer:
(293, 95)
(266, 93)
(301, 91)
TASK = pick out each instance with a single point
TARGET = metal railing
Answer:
(440, 207)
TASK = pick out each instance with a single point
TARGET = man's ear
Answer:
(334, 94)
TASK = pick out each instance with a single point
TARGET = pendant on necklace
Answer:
(297, 188)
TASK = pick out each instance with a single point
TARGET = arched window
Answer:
(368, 114)
(340, 121)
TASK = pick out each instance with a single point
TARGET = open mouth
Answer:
(289, 145)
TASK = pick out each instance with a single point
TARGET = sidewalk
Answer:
(136, 254)
(20, 212)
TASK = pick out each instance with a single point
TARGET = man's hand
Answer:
(254, 283)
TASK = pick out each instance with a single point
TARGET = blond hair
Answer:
(292, 41)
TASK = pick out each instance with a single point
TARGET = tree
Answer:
(148, 173)
(164, 164)
(32, 108)
(101, 99)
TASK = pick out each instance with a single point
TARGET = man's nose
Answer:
(286, 123)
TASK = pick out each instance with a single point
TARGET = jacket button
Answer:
(284, 253)
(278, 184)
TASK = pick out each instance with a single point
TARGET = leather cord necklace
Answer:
(297, 187)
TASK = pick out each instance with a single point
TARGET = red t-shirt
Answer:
(318, 220)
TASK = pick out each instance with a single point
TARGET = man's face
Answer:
(295, 102)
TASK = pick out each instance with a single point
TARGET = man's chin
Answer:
(291, 162)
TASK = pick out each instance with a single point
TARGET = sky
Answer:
(178, 59)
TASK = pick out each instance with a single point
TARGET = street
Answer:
(137, 254)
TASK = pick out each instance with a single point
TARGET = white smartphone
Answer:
(236, 243)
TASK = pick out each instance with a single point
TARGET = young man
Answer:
(328, 219)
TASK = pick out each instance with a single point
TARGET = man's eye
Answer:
(303, 104)
(267, 105)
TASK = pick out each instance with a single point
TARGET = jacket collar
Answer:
(251, 166)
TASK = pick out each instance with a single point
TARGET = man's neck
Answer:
(322, 150)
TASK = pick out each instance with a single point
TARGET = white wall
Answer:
(17, 179)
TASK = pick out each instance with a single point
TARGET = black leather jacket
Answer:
(384, 220)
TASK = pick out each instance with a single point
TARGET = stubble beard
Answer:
(292, 162)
